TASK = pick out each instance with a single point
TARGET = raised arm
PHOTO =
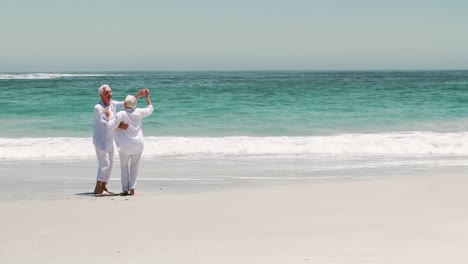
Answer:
(141, 93)
(147, 110)
(148, 101)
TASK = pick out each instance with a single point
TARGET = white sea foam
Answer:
(28, 76)
(385, 144)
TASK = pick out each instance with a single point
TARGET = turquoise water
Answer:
(227, 129)
(218, 104)
(206, 114)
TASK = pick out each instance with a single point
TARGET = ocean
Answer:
(230, 128)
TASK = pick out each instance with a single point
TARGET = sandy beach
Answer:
(420, 219)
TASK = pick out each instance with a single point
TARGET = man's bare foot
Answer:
(104, 193)
(132, 192)
(98, 189)
(104, 188)
(108, 191)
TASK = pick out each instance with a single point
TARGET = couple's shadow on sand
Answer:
(91, 194)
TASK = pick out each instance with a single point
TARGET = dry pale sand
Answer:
(397, 220)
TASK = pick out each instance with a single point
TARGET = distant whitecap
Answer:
(32, 76)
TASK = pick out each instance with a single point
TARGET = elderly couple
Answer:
(126, 127)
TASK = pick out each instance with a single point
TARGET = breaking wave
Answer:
(384, 144)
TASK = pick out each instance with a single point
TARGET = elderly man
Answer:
(103, 136)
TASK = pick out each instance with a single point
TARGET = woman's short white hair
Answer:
(131, 101)
(101, 89)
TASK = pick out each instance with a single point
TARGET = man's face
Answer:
(106, 95)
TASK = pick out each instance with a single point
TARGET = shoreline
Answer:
(414, 219)
(39, 180)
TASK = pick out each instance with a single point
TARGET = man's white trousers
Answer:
(105, 161)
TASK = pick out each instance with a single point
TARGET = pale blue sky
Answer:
(105, 35)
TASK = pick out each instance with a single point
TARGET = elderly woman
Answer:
(130, 142)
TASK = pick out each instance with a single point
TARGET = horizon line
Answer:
(250, 70)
